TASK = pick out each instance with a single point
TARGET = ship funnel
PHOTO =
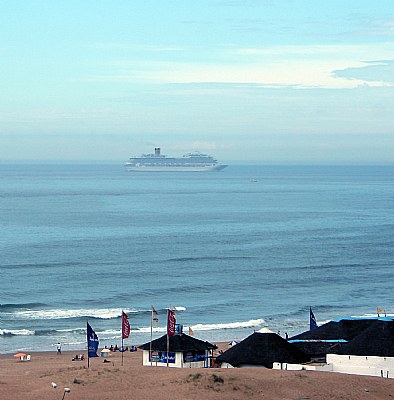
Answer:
(157, 151)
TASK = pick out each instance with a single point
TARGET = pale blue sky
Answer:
(273, 81)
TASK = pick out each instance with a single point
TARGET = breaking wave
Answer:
(253, 323)
(104, 313)
(16, 332)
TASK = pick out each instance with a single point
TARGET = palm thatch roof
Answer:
(262, 349)
(181, 342)
(343, 329)
(357, 336)
(376, 340)
(318, 349)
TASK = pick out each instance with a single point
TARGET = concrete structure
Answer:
(348, 364)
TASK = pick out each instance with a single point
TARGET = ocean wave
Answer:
(198, 327)
(38, 265)
(147, 329)
(16, 332)
(230, 325)
(211, 258)
(108, 332)
(78, 343)
(53, 332)
(179, 308)
(174, 308)
(24, 306)
(372, 315)
(104, 313)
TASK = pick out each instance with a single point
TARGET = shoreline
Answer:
(33, 379)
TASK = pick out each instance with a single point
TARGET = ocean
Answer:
(246, 248)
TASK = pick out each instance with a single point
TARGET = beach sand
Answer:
(32, 380)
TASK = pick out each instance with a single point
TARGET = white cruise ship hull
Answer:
(191, 162)
(174, 168)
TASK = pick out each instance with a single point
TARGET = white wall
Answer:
(362, 365)
(299, 367)
(357, 365)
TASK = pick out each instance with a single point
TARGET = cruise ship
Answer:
(191, 162)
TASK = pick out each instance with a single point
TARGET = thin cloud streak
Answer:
(273, 66)
(302, 74)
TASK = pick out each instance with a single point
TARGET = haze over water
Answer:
(243, 249)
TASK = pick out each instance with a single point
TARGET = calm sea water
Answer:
(246, 248)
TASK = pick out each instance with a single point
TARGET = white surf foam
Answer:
(16, 332)
(230, 325)
(104, 313)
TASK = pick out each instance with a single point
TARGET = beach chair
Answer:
(26, 358)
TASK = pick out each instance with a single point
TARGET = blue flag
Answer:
(312, 320)
(93, 342)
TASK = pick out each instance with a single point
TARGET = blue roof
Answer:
(387, 319)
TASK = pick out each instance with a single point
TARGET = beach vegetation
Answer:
(194, 377)
(217, 378)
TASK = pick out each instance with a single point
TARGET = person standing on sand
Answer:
(59, 348)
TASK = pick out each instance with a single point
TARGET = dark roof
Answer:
(376, 340)
(181, 342)
(318, 349)
(262, 349)
(343, 329)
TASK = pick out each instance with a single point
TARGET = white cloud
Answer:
(275, 66)
(302, 74)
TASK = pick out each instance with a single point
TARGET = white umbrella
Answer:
(106, 351)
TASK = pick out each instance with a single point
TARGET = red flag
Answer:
(125, 326)
(171, 321)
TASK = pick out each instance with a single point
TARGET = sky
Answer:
(268, 81)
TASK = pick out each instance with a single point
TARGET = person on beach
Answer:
(59, 348)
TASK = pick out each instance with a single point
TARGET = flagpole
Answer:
(168, 347)
(122, 338)
(87, 323)
(151, 336)
(168, 336)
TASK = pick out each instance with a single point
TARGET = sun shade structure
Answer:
(262, 349)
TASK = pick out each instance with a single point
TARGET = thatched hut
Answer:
(261, 350)
(330, 338)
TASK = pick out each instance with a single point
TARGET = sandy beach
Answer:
(32, 380)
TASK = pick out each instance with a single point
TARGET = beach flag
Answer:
(312, 320)
(93, 342)
(171, 322)
(125, 326)
(155, 318)
(191, 333)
